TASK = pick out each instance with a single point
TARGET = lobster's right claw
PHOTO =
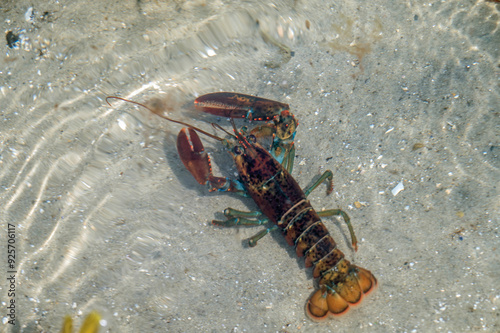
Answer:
(236, 105)
(193, 155)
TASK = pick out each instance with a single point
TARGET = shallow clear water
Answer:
(107, 218)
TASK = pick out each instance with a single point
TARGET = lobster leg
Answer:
(283, 149)
(327, 175)
(289, 159)
(237, 217)
(252, 241)
(347, 220)
(231, 212)
(234, 221)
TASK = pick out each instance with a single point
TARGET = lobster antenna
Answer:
(165, 117)
(238, 134)
(217, 126)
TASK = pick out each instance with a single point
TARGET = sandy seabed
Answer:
(105, 217)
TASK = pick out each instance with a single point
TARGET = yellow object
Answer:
(417, 145)
(90, 324)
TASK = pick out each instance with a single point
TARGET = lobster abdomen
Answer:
(282, 200)
(341, 284)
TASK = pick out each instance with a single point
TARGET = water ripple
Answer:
(108, 219)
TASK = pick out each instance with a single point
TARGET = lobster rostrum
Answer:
(265, 176)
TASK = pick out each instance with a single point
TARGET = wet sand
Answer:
(108, 219)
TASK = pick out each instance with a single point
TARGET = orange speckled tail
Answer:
(339, 292)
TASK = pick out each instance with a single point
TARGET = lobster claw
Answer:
(193, 155)
(236, 105)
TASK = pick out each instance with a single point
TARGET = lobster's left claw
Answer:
(193, 155)
(197, 161)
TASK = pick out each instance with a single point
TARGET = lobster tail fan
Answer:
(350, 290)
(325, 302)
(336, 304)
(336, 300)
(366, 280)
(317, 306)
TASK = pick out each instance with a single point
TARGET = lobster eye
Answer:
(252, 138)
(238, 150)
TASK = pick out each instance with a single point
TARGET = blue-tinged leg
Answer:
(328, 176)
(238, 217)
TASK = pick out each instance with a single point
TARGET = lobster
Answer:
(265, 176)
